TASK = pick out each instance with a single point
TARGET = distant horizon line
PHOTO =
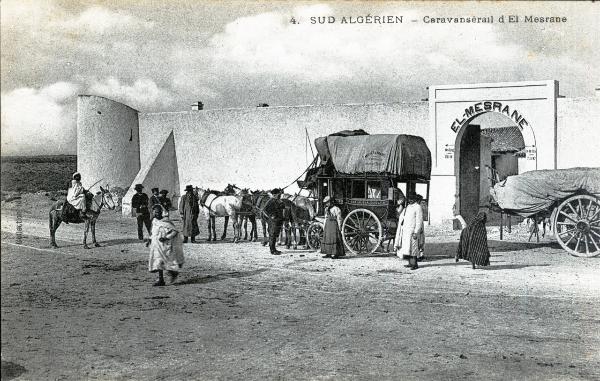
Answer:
(39, 155)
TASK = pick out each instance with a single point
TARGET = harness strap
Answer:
(213, 200)
(204, 198)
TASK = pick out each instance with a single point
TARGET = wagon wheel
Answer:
(362, 232)
(577, 225)
(314, 235)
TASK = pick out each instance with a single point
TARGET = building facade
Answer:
(265, 147)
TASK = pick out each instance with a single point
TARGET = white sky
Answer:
(159, 56)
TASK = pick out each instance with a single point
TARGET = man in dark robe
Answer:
(139, 202)
(274, 213)
(164, 200)
(473, 245)
(189, 211)
(154, 199)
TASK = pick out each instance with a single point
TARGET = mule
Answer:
(98, 201)
(215, 205)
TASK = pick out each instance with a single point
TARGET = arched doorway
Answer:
(489, 146)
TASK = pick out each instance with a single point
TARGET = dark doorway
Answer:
(469, 172)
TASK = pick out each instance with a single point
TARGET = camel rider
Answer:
(76, 194)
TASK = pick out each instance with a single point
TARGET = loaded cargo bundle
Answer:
(355, 152)
(534, 192)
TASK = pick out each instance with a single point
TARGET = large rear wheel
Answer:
(362, 232)
(577, 225)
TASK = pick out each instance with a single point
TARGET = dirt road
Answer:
(239, 313)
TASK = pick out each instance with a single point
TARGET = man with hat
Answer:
(410, 223)
(164, 200)
(189, 211)
(274, 213)
(154, 200)
(139, 202)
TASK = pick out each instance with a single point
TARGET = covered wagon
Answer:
(570, 197)
(365, 174)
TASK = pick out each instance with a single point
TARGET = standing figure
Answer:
(189, 211)
(333, 244)
(154, 199)
(421, 239)
(139, 202)
(274, 212)
(76, 195)
(407, 235)
(473, 245)
(165, 202)
(166, 250)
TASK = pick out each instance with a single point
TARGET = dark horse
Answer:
(296, 220)
(294, 217)
(97, 202)
(246, 212)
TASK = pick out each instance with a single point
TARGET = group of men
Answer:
(142, 205)
(189, 209)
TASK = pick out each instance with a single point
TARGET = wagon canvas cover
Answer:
(536, 191)
(402, 155)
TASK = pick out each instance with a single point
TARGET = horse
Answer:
(259, 200)
(246, 213)
(98, 201)
(294, 216)
(215, 205)
(298, 214)
(302, 202)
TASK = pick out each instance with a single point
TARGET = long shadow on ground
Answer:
(222, 276)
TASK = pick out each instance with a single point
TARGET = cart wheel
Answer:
(577, 225)
(314, 235)
(362, 232)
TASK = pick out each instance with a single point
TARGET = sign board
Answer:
(449, 151)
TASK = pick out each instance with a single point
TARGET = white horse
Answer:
(220, 206)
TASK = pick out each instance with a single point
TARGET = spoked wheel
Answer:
(362, 232)
(577, 225)
(314, 235)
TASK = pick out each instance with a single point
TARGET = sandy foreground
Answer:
(238, 312)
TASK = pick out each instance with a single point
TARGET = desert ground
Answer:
(238, 312)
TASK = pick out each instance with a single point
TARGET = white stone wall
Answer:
(262, 148)
(108, 146)
(578, 137)
(159, 173)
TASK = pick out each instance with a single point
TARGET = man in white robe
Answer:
(410, 223)
(76, 193)
(166, 248)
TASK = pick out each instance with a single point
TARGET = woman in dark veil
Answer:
(473, 245)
